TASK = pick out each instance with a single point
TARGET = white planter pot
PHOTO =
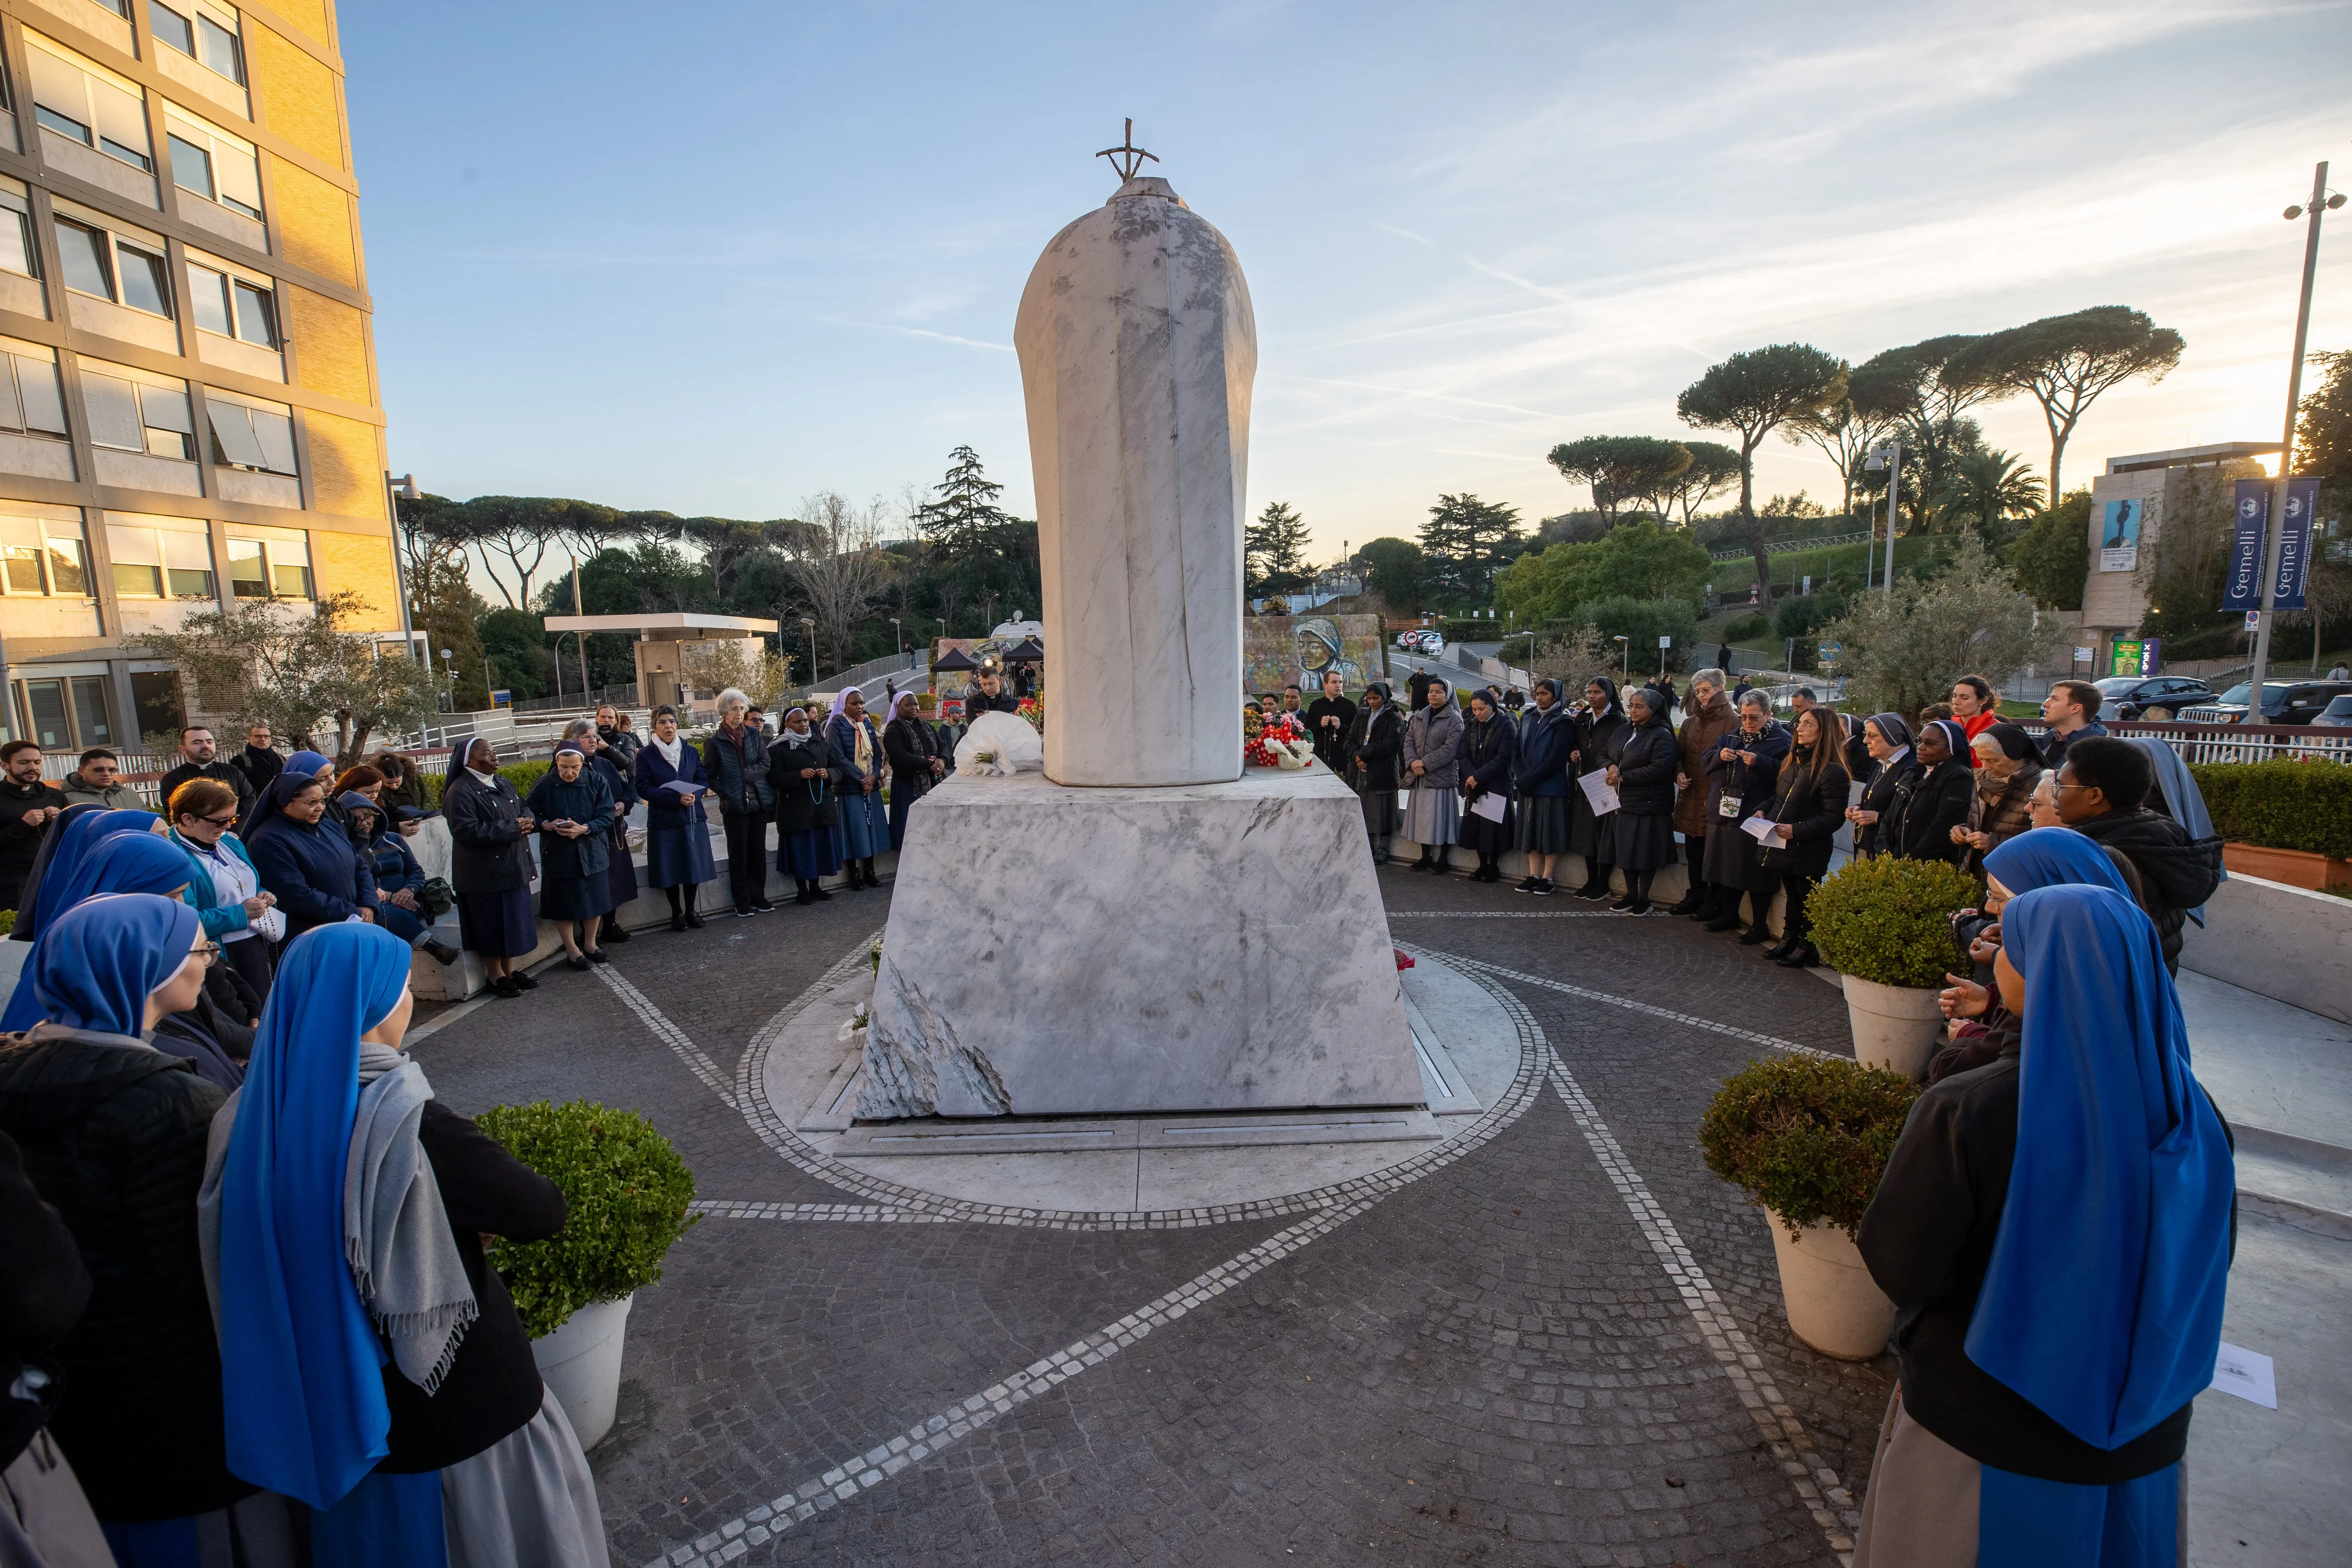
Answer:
(581, 1364)
(1833, 1304)
(1897, 1027)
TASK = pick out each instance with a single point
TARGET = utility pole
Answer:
(2275, 534)
(1889, 458)
(580, 642)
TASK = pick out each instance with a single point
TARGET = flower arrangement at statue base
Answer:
(1031, 709)
(1277, 743)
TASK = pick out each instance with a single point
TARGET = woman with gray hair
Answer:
(619, 777)
(1742, 767)
(736, 758)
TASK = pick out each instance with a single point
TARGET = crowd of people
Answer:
(1747, 802)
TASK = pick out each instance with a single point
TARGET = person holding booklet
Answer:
(1806, 810)
(678, 833)
(1742, 766)
(1490, 745)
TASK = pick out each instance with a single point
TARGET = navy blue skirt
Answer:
(576, 901)
(810, 855)
(865, 828)
(678, 855)
(621, 874)
(498, 925)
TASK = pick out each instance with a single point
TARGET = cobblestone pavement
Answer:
(1504, 1361)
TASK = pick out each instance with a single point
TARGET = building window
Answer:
(139, 417)
(160, 562)
(16, 251)
(31, 401)
(42, 707)
(269, 564)
(208, 161)
(204, 33)
(233, 306)
(251, 435)
(156, 695)
(85, 103)
(102, 264)
(44, 559)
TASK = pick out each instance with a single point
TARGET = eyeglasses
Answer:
(210, 953)
(2064, 787)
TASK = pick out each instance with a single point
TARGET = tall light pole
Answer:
(448, 654)
(395, 492)
(808, 623)
(1887, 459)
(898, 637)
(2276, 533)
(1625, 668)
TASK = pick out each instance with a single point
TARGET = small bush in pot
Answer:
(1807, 1137)
(1890, 920)
(628, 1197)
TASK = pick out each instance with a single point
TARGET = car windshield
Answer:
(2115, 685)
(2341, 707)
(2274, 692)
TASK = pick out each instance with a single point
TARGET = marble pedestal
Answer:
(1083, 952)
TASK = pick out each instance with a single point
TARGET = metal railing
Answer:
(2194, 742)
(1788, 546)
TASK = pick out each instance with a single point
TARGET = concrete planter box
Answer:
(2286, 943)
(1833, 1304)
(581, 1364)
(2296, 867)
(1897, 1027)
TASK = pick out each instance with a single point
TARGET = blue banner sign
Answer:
(2250, 538)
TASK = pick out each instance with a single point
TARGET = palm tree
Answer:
(1984, 489)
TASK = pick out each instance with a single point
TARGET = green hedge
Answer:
(522, 776)
(1890, 919)
(2285, 804)
(626, 1194)
(1807, 1137)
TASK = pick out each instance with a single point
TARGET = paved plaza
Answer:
(1551, 1338)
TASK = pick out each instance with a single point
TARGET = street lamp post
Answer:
(808, 623)
(1625, 664)
(2276, 532)
(898, 637)
(1889, 460)
(449, 669)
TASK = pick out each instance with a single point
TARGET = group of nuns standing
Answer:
(260, 1329)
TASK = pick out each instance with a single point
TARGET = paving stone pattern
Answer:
(1481, 1361)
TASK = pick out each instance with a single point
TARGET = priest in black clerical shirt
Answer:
(1328, 718)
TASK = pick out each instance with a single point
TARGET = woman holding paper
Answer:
(677, 835)
(1490, 745)
(1805, 812)
(1643, 759)
(1374, 743)
(574, 811)
(1742, 767)
(490, 867)
(2055, 1230)
(1433, 814)
(1543, 779)
(1598, 719)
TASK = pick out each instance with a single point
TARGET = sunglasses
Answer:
(228, 821)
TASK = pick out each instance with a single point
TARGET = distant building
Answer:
(2128, 505)
(189, 410)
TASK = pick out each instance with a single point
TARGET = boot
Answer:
(1423, 863)
(1692, 902)
(818, 893)
(693, 921)
(443, 953)
(1804, 956)
(677, 912)
(1381, 849)
(1755, 936)
(871, 880)
(1784, 947)
(1728, 920)
(803, 891)
(613, 932)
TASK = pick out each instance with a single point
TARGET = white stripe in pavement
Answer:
(697, 1060)
(876, 1465)
(1520, 977)
(883, 1214)
(1817, 1486)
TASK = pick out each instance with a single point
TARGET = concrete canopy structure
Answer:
(661, 638)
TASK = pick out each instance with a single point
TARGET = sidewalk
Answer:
(2266, 1485)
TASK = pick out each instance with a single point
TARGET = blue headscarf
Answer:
(78, 833)
(299, 1361)
(105, 956)
(125, 862)
(2102, 1305)
(282, 789)
(2047, 856)
(306, 765)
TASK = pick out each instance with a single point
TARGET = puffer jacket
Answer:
(1433, 738)
(739, 770)
(1645, 757)
(2178, 873)
(1698, 746)
(113, 1137)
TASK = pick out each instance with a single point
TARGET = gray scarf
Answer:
(396, 1233)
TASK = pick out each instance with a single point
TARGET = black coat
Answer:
(18, 842)
(1330, 744)
(584, 800)
(1488, 752)
(1928, 805)
(910, 747)
(113, 1136)
(1928, 1239)
(1646, 760)
(1540, 762)
(622, 743)
(804, 804)
(42, 1291)
(1375, 746)
(1816, 813)
(1870, 837)
(219, 771)
(2177, 873)
(977, 702)
(260, 768)
(493, 1387)
(739, 771)
(488, 855)
(1594, 734)
(1752, 785)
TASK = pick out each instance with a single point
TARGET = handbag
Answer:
(436, 899)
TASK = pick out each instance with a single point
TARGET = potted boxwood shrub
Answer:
(1885, 925)
(1808, 1139)
(628, 1196)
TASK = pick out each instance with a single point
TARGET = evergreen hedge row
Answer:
(2283, 804)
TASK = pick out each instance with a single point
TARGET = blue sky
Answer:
(715, 256)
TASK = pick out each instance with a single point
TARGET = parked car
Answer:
(1433, 644)
(2156, 696)
(2284, 703)
(2338, 714)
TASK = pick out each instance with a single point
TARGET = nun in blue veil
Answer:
(124, 861)
(375, 1369)
(73, 835)
(2054, 1230)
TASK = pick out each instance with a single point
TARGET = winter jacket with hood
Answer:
(113, 1133)
(1701, 730)
(2178, 873)
(1645, 758)
(1432, 737)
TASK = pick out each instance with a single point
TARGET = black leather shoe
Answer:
(676, 922)
(579, 960)
(524, 981)
(505, 988)
(613, 934)
(693, 921)
(1805, 957)
(1592, 893)
(597, 955)
(1724, 923)
(1689, 904)
(1755, 936)
(442, 952)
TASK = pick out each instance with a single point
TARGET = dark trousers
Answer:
(1799, 887)
(1694, 857)
(747, 855)
(250, 958)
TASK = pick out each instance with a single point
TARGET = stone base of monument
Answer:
(1056, 951)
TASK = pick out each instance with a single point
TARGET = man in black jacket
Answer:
(988, 695)
(26, 804)
(2102, 789)
(258, 761)
(197, 761)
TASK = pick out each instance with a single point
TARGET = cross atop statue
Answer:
(1127, 157)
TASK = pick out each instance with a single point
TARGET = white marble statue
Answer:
(1138, 348)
